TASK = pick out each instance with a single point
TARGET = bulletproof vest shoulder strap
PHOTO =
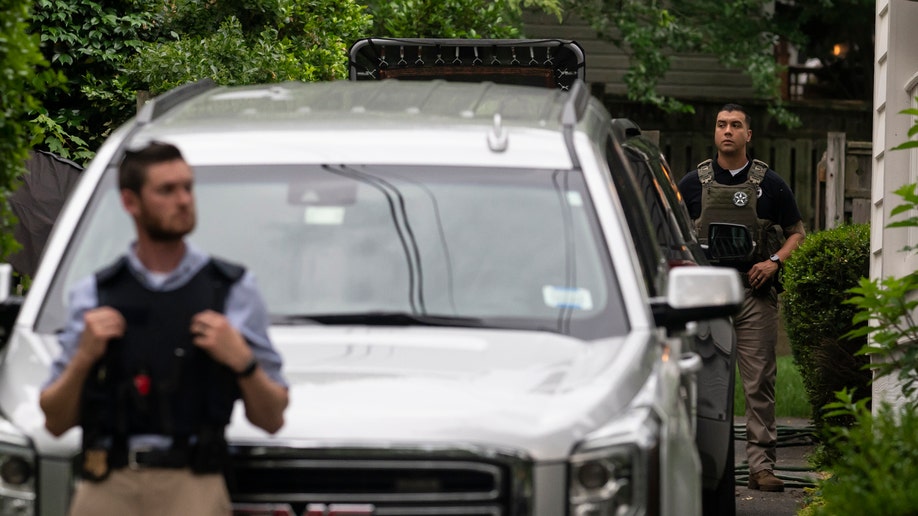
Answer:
(108, 273)
(757, 173)
(231, 271)
(706, 171)
(222, 384)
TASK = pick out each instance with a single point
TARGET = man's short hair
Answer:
(736, 107)
(133, 170)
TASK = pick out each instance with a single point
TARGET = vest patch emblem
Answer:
(740, 199)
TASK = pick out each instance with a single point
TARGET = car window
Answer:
(671, 232)
(640, 223)
(513, 249)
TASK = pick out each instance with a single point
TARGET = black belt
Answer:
(139, 458)
(142, 457)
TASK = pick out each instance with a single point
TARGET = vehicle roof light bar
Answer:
(551, 63)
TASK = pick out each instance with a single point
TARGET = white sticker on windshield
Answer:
(564, 297)
(324, 215)
(574, 198)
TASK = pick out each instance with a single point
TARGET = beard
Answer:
(160, 230)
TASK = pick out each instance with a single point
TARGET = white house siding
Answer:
(895, 88)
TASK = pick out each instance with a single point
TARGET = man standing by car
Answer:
(157, 348)
(731, 188)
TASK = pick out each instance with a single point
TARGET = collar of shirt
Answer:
(191, 263)
(726, 176)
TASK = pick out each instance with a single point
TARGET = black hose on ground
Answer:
(787, 436)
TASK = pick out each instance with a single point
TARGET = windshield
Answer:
(507, 248)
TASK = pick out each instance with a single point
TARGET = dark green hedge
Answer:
(19, 60)
(816, 279)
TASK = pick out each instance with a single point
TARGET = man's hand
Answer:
(102, 325)
(60, 401)
(264, 399)
(215, 335)
(761, 273)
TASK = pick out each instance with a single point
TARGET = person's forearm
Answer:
(792, 242)
(60, 401)
(265, 401)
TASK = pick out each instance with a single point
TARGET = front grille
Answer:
(395, 481)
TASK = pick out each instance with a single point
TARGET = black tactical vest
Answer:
(734, 204)
(154, 380)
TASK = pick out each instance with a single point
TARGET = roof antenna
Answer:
(498, 138)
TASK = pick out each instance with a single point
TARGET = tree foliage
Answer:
(743, 33)
(453, 18)
(21, 73)
(87, 42)
(233, 43)
(111, 50)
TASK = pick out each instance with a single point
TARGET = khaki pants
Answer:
(756, 340)
(153, 492)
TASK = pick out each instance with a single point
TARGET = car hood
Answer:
(532, 392)
(366, 386)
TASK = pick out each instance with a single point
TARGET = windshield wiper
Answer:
(382, 319)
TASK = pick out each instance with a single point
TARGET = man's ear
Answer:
(749, 136)
(130, 200)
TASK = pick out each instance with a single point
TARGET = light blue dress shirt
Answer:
(245, 310)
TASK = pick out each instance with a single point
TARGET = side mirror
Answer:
(729, 243)
(698, 294)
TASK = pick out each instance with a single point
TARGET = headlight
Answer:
(617, 473)
(17, 472)
(17, 480)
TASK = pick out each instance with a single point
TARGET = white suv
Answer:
(468, 325)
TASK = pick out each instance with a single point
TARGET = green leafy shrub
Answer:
(876, 470)
(816, 281)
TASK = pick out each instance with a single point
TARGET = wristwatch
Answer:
(777, 259)
(249, 369)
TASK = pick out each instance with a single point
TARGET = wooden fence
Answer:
(811, 166)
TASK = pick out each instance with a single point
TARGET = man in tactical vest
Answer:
(157, 348)
(734, 189)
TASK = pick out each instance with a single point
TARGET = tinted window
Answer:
(668, 229)
(638, 217)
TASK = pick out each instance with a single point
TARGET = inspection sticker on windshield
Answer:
(574, 198)
(567, 297)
